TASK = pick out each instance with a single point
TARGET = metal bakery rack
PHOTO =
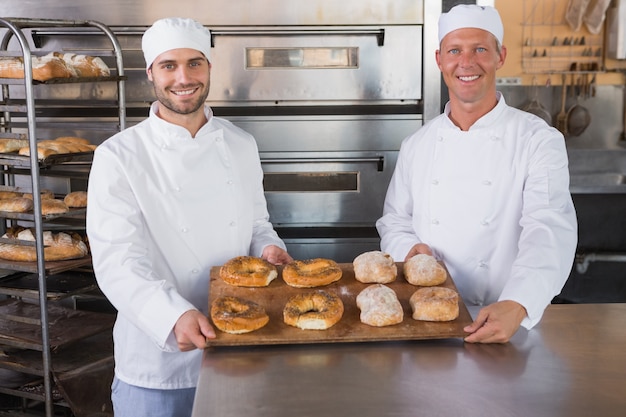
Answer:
(61, 347)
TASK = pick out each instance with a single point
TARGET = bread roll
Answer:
(435, 304)
(424, 270)
(375, 267)
(76, 199)
(379, 306)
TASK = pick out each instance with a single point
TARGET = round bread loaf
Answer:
(375, 267)
(76, 199)
(424, 270)
(379, 306)
(435, 304)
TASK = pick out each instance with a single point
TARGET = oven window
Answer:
(311, 181)
(264, 58)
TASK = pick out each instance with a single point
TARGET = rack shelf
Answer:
(39, 336)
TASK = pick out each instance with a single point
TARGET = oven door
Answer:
(304, 64)
(321, 189)
(325, 204)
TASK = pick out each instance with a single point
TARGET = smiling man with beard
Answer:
(168, 199)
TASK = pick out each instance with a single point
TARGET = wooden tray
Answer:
(349, 328)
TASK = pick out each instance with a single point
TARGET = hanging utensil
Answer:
(578, 117)
(535, 106)
(561, 118)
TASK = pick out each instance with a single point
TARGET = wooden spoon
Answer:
(561, 118)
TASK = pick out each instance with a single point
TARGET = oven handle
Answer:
(378, 160)
(378, 33)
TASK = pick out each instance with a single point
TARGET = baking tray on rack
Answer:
(51, 267)
(349, 329)
(16, 160)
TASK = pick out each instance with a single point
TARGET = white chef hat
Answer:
(471, 16)
(173, 33)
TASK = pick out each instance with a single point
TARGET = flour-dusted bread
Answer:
(58, 246)
(85, 65)
(424, 270)
(45, 67)
(379, 306)
(375, 267)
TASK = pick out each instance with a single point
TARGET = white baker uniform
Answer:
(163, 208)
(492, 202)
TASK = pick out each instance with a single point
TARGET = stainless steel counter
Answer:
(572, 364)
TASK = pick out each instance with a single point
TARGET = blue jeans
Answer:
(131, 401)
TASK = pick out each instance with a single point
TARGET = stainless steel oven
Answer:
(329, 107)
(328, 88)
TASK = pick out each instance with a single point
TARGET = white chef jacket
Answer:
(163, 208)
(492, 202)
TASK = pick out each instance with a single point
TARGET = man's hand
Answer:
(417, 249)
(496, 323)
(192, 330)
(275, 255)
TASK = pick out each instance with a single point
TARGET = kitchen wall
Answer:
(535, 33)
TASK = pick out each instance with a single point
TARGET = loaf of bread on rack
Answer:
(55, 65)
(45, 67)
(76, 199)
(11, 193)
(44, 194)
(16, 204)
(85, 65)
(8, 145)
(58, 246)
(61, 145)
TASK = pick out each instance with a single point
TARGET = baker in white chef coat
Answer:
(168, 199)
(484, 187)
